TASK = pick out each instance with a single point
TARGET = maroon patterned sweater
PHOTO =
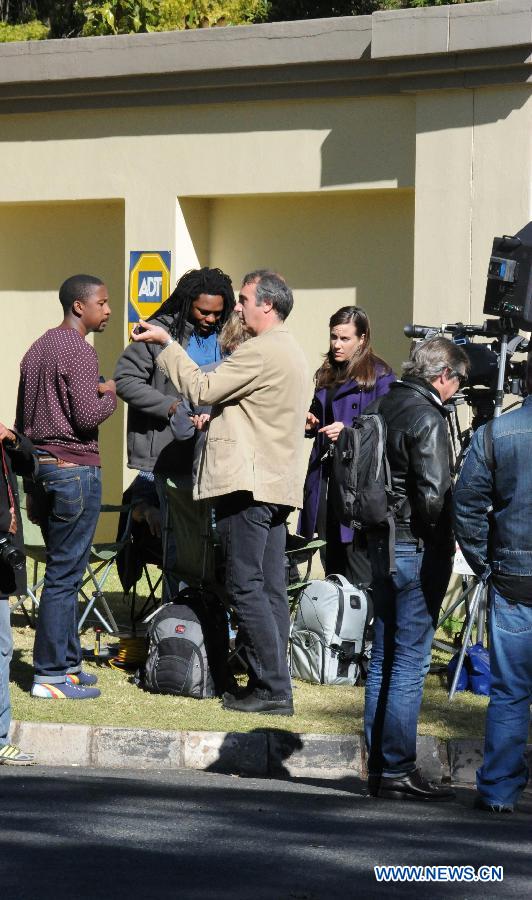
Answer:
(58, 406)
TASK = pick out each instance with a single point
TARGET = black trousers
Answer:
(253, 538)
(350, 560)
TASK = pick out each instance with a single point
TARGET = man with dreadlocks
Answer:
(193, 316)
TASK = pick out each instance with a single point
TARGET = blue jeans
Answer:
(253, 538)
(504, 773)
(6, 652)
(406, 612)
(69, 501)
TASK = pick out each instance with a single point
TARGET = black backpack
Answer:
(188, 647)
(360, 483)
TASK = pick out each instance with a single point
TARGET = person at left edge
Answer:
(60, 405)
(16, 458)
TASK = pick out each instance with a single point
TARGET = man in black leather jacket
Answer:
(407, 602)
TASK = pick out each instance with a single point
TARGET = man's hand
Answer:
(311, 422)
(7, 435)
(173, 408)
(201, 422)
(105, 386)
(152, 334)
(332, 431)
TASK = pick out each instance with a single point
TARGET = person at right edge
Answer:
(493, 524)
(407, 602)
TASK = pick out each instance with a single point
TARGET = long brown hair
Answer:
(362, 367)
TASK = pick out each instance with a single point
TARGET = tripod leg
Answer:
(482, 612)
(467, 636)
(456, 603)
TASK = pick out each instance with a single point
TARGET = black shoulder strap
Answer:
(488, 445)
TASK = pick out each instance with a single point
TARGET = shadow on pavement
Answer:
(197, 835)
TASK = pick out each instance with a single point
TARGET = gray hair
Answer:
(428, 359)
(271, 286)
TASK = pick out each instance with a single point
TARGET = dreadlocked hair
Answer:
(188, 288)
(362, 367)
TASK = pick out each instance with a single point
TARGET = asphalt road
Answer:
(87, 834)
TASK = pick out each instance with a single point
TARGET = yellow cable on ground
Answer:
(131, 653)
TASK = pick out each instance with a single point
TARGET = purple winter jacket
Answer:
(348, 403)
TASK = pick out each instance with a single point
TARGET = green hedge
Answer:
(31, 31)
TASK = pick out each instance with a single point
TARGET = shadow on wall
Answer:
(377, 144)
(251, 108)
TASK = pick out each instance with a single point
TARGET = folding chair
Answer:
(102, 557)
(300, 551)
(141, 550)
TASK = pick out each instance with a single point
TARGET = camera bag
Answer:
(327, 639)
(188, 647)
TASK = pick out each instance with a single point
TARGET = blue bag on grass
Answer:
(479, 669)
(475, 675)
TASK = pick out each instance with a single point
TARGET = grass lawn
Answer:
(319, 709)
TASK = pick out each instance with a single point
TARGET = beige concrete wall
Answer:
(215, 150)
(40, 246)
(387, 201)
(473, 182)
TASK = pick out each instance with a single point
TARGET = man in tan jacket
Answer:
(252, 466)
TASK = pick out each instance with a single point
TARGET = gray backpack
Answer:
(327, 637)
(188, 647)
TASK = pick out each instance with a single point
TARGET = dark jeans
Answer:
(406, 608)
(69, 501)
(253, 537)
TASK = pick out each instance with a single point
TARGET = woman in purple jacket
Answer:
(349, 379)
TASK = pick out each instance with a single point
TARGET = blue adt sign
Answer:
(149, 283)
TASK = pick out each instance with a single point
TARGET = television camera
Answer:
(493, 371)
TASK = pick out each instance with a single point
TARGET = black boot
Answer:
(251, 703)
(412, 786)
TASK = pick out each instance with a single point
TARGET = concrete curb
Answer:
(273, 753)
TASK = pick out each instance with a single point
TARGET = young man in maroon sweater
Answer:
(60, 405)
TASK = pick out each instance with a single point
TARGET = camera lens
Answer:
(10, 555)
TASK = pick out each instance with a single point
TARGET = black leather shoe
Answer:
(486, 806)
(250, 703)
(408, 787)
(236, 693)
